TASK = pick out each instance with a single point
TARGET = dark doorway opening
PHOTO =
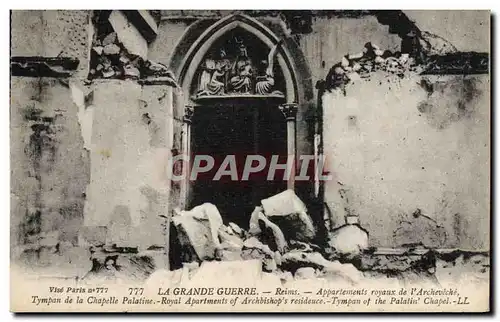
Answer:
(239, 129)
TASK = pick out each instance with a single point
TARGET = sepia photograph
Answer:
(250, 161)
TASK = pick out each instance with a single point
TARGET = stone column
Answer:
(289, 110)
(186, 152)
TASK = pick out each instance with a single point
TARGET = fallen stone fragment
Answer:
(345, 62)
(200, 225)
(124, 59)
(290, 214)
(109, 39)
(268, 231)
(98, 49)
(131, 71)
(108, 73)
(111, 49)
(348, 240)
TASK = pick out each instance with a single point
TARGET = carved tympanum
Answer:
(234, 67)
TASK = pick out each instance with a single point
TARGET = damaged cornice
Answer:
(460, 63)
(43, 66)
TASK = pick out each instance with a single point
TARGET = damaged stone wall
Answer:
(88, 155)
(89, 144)
(129, 154)
(49, 167)
(413, 153)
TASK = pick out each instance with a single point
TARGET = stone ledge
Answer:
(43, 66)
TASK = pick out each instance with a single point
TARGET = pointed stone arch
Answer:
(185, 68)
(298, 106)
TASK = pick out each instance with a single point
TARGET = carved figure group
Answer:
(224, 76)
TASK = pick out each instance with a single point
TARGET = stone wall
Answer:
(88, 157)
(411, 161)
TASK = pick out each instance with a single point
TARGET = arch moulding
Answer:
(186, 70)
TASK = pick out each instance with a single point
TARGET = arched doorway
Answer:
(240, 96)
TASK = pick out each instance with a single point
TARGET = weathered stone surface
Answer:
(201, 226)
(348, 240)
(290, 214)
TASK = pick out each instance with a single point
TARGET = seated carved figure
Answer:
(265, 84)
(241, 81)
(210, 80)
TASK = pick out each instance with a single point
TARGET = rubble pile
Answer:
(281, 237)
(278, 248)
(358, 66)
(110, 59)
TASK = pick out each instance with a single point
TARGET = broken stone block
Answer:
(200, 225)
(108, 73)
(131, 71)
(289, 213)
(305, 273)
(356, 56)
(267, 231)
(344, 62)
(109, 39)
(111, 49)
(98, 49)
(348, 240)
(124, 59)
